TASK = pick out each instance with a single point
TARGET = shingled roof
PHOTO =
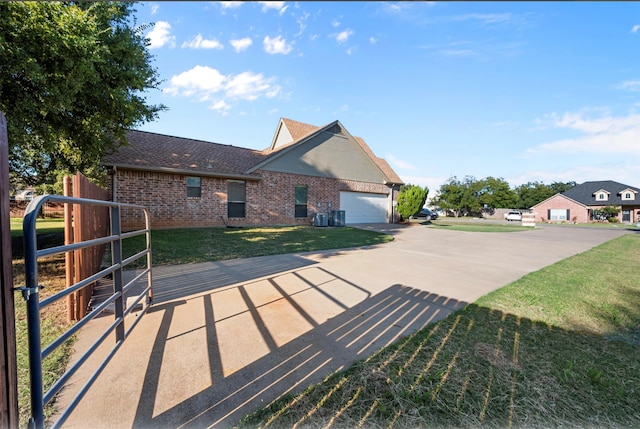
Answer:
(159, 152)
(585, 193)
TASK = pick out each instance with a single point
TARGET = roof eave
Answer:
(184, 171)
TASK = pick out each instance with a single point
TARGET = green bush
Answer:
(411, 199)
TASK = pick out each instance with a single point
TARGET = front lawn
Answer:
(183, 246)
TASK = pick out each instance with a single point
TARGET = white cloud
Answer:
(201, 81)
(635, 28)
(343, 36)
(160, 35)
(200, 42)
(241, 44)
(373, 40)
(220, 106)
(458, 53)
(630, 85)
(302, 23)
(399, 163)
(277, 45)
(627, 173)
(278, 6)
(249, 86)
(601, 135)
(486, 18)
(335, 23)
(154, 9)
(230, 4)
(344, 108)
(205, 83)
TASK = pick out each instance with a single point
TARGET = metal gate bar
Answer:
(31, 292)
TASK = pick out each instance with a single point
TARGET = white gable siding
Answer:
(284, 137)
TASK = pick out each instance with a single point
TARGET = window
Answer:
(558, 214)
(301, 201)
(193, 187)
(602, 196)
(237, 196)
(627, 196)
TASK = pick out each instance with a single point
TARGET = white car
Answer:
(26, 195)
(514, 215)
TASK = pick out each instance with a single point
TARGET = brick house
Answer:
(306, 170)
(580, 203)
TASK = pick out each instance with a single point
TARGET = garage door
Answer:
(361, 207)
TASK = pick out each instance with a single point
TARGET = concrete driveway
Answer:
(225, 338)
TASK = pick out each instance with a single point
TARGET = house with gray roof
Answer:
(306, 170)
(582, 203)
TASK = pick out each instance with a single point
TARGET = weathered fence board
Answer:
(82, 223)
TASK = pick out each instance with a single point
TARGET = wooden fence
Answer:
(83, 222)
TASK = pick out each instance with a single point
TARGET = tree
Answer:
(411, 199)
(496, 193)
(533, 193)
(72, 77)
(450, 195)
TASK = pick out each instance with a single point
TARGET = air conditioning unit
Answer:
(321, 219)
(337, 218)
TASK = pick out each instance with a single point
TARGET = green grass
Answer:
(182, 246)
(43, 226)
(557, 348)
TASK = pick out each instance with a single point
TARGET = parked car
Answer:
(428, 214)
(26, 195)
(514, 215)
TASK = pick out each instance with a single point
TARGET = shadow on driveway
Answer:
(354, 333)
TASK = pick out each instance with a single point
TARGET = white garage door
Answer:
(361, 207)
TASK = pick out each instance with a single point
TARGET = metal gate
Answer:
(31, 294)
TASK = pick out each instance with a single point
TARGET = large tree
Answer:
(496, 193)
(72, 82)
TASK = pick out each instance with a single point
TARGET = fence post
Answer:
(68, 256)
(116, 255)
(9, 374)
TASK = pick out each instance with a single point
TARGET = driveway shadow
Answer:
(353, 333)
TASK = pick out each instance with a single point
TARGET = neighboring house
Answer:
(306, 170)
(580, 203)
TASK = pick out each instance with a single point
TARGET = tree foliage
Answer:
(609, 213)
(532, 193)
(411, 199)
(471, 196)
(72, 77)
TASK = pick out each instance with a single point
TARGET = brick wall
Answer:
(577, 212)
(270, 201)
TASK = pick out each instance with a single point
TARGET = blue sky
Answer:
(525, 91)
